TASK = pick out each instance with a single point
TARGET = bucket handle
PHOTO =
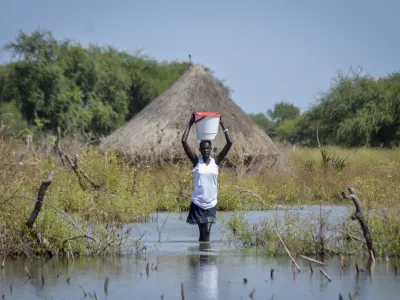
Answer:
(199, 119)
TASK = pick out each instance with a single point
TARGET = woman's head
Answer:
(205, 149)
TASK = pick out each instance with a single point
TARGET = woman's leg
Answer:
(205, 230)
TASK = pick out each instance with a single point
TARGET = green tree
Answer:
(283, 111)
(262, 121)
(94, 89)
(359, 110)
(288, 130)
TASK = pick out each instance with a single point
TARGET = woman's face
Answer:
(205, 150)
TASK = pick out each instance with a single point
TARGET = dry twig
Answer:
(287, 250)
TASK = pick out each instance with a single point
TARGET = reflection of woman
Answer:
(204, 272)
(203, 208)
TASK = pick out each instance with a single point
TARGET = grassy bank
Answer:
(91, 197)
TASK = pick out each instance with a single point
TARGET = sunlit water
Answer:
(216, 271)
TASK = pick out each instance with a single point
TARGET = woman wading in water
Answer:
(203, 209)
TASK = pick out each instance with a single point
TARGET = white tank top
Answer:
(205, 185)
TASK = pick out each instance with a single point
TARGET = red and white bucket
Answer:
(207, 124)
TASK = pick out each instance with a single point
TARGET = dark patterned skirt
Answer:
(198, 215)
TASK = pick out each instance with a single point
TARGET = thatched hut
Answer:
(155, 133)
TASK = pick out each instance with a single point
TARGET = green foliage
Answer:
(357, 110)
(11, 117)
(287, 130)
(330, 160)
(126, 193)
(94, 89)
(283, 111)
(314, 234)
(262, 121)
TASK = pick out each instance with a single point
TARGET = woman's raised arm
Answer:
(228, 145)
(193, 158)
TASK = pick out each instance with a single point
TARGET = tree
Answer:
(288, 130)
(262, 121)
(283, 111)
(94, 89)
(359, 110)
(38, 46)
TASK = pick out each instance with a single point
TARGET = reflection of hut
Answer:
(156, 131)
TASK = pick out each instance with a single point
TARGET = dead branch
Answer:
(67, 218)
(244, 190)
(358, 215)
(74, 164)
(287, 250)
(78, 237)
(57, 146)
(42, 190)
(313, 260)
(347, 233)
(80, 173)
(326, 275)
(71, 221)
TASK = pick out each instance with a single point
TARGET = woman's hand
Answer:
(192, 120)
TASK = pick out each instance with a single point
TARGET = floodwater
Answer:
(177, 262)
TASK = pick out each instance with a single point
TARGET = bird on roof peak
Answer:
(190, 61)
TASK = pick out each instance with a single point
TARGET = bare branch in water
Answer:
(358, 215)
(287, 250)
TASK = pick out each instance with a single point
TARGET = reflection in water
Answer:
(204, 272)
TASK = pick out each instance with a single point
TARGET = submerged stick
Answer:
(313, 260)
(29, 273)
(326, 275)
(3, 263)
(106, 285)
(287, 250)
(371, 253)
(182, 291)
(83, 290)
(342, 264)
(251, 295)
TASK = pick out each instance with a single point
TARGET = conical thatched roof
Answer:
(157, 130)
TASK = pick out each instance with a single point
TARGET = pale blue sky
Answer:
(267, 51)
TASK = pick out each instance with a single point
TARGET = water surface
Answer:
(216, 271)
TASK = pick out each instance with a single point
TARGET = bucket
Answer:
(207, 124)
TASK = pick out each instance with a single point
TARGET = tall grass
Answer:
(130, 192)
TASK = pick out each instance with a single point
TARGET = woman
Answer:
(203, 209)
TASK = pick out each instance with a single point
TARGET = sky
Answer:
(266, 51)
